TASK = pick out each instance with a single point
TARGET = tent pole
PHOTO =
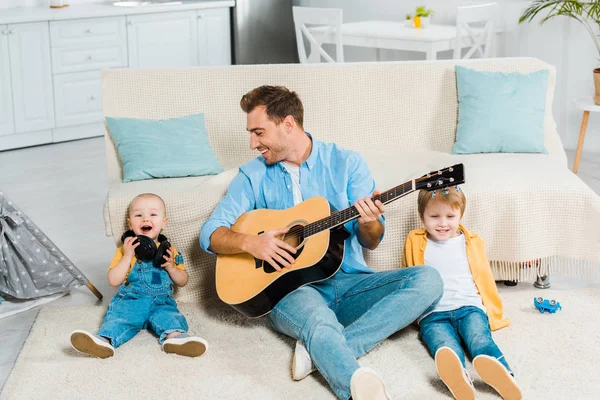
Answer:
(94, 290)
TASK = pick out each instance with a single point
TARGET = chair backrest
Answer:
(475, 37)
(331, 20)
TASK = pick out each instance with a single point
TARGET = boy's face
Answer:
(441, 220)
(147, 216)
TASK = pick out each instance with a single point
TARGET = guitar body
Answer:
(254, 287)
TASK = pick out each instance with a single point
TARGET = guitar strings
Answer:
(300, 231)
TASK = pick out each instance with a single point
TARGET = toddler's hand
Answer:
(129, 247)
(170, 259)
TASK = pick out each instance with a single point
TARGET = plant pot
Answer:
(417, 21)
(408, 23)
(425, 21)
(597, 85)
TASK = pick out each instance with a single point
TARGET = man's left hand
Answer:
(368, 209)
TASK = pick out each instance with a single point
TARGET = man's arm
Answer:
(238, 200)
(265, 246)
(361, 187)
(217, 237)
(225, 241)
(370, 234)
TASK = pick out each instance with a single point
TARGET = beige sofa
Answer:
(402, 117)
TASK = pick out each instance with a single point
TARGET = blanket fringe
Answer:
(524, 271)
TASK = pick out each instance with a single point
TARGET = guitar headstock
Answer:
(449, 176)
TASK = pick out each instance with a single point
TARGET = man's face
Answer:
(266, 136)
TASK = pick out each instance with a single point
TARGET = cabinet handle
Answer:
(92, 97)
(12, 31)
(129, 23)
(5, 32)
(200, 16)
(88, 30)
(89, 58)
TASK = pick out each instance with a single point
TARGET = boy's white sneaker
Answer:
(497, 376)
(366, 384)
(456, 378)
(302, 365)
(185, 345)
(94, 345)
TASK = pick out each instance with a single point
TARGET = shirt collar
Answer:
(312, 158)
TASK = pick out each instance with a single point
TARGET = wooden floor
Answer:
(62, 187)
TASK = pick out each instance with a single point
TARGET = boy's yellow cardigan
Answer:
(414, 254)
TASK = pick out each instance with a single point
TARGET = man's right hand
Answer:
(129, 247)
(269, 248)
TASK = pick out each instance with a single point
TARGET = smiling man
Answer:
(337, 320)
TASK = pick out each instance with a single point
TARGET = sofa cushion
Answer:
(166, 148)
(500, 112)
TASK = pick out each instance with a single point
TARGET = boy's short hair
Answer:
(455, 198)
(146, 195)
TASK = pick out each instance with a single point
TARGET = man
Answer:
(340, 319)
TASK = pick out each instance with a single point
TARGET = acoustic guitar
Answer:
(253, 287)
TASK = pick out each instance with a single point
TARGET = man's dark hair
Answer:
(279, 101)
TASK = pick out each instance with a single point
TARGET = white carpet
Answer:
(553, 356)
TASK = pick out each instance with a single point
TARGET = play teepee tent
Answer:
(31, 266)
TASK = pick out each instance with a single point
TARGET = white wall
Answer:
(561, 42)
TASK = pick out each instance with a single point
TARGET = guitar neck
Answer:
(346, 215)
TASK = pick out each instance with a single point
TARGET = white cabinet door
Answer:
(7, 125)
(162, 40)
(78, 98)
(214, 37)
(29, 48)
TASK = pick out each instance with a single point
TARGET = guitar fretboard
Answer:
(341, 217)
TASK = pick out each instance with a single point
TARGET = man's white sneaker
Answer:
(497, 376)
(302, 365)
(185, 345)
(365, 384)
(451, 370)
(91, 344)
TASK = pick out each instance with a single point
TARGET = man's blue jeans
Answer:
(468, 323)
(342, 318)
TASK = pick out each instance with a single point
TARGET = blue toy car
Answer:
(546, 305)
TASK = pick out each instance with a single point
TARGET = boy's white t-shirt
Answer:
(449, 258)
(295, 173)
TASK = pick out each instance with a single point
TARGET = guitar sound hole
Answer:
(294, 236)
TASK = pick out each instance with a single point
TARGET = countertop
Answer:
(95, 10)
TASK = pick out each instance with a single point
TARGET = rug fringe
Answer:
(523, 271)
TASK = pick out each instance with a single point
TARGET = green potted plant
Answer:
(585, 12)
(408, 21)
(422, 17)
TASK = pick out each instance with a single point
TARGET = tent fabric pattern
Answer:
(31, 266)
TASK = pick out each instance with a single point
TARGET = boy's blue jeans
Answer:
(469, 324)
(342, 318)
(144, 301)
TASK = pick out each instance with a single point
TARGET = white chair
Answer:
(466, 33)
(329, 21)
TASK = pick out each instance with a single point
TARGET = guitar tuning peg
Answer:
(457, 188)
(433, 194)
(444, 191)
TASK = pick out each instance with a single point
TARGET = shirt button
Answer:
(288, 186)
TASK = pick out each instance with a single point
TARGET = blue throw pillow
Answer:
(166, 148)
(500, 112)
